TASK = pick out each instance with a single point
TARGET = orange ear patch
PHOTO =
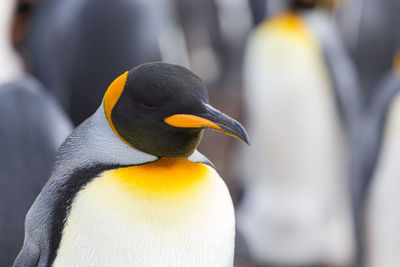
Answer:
(189, 121)
(111, 97)
(113, 93)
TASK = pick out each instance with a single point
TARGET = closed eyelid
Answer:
(155, 101)
(146, 105)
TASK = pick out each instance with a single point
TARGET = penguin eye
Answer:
(143, 103)
(146, 105)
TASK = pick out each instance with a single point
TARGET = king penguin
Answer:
(301, 95)
(129, 187)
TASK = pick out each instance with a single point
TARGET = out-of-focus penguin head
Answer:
(162, 109)
(20, 20)
(300, 4)
(310, 4)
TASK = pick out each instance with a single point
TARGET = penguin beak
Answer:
(212, 118)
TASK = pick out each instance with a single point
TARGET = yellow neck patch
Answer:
(157, 192)
(170, 178)
(111, 97)
(289, 24)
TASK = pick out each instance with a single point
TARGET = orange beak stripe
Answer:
(190, 121)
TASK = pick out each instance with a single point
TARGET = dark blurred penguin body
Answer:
(129, 188)
(77, 47)
(32, 127)
(370, 30)
(301, 96)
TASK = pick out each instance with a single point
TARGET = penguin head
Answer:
(162, 109)
(302, 4)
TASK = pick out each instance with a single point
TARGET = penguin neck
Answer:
(289, 22)
(172, 178)
(291, 25)
(98, 144)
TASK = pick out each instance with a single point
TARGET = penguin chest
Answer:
(171, 212)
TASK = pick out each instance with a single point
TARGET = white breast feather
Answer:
(106, 228)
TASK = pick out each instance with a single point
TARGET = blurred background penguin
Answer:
(32, 127)
(301, 100)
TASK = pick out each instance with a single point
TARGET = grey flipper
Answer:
(200, 158)
(91, 148)
(367, 151)
(343, 73)
(77, 47)
(32, 127)
(349, 100)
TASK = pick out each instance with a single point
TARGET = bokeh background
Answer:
(315, 82)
